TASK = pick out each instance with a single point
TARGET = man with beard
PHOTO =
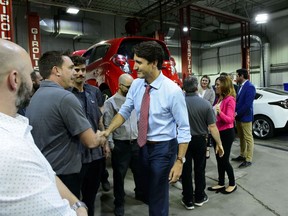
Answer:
(28, 183)
(36, 79)
(93, 160)
(58, 120)
(123, 141)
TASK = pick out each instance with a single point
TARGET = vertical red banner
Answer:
(186, 45)
(34, 39)
(6, 20)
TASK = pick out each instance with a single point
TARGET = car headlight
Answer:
(282, 103)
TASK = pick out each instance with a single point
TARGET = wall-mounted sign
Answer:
(34, 39)
(6, 20)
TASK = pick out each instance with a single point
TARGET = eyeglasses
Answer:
(78, 69)
(125, 86)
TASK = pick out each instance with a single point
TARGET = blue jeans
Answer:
(156, 161)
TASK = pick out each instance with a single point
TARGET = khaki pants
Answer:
(244, 131)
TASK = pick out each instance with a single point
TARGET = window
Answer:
(98, 53)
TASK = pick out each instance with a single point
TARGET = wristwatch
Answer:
(182, 159)
(79, 204)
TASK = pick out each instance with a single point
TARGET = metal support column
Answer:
(245, 45)
(186, 46)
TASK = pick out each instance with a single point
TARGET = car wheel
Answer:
(262, 127)
(106, 94)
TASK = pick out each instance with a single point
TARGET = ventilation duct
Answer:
(211, 24)
(70, 29)
(170, 33)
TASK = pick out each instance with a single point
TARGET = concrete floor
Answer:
(262, 190)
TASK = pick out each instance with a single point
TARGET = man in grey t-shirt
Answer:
(201, 118)
(58, 120)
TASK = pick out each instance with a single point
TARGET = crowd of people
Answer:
(150, 125)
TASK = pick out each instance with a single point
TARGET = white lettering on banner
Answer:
(5, 27)
(35, 47)
(4, 2)
(189, 57)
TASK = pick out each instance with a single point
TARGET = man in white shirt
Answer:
(28, 183)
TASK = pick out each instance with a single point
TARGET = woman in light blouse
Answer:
(205, 91)
(225, 115)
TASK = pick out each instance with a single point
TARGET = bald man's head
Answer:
(124, 83)
(15, 70)
(13, 57)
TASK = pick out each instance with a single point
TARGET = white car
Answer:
(270, 111)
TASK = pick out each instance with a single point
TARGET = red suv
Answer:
(107, 60)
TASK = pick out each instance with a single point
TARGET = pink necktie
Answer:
(143, 120)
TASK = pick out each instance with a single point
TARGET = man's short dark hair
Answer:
(223, 74)
(78, 60)
(243, 72)
(48, 60)
(190, 84)
(151, 51)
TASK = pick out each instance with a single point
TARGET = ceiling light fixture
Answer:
(72, 10)
(261, 18)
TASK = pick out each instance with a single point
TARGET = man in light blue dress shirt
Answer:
(168, 130)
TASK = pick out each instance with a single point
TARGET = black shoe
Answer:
(106, 186)
(226, 192)
(220, 188)
(201, 202)
(245, 164)
(187, 205)
(119, 211)
(239, 159)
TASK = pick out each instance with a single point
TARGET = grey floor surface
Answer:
(262, 190)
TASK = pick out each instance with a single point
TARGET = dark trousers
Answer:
(156, 162)
(72, 182)
(223, 163)
(90, 181)
(105, 173)
(124, 155)
(196, 151)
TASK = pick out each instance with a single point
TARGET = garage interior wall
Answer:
(105, 26)
(204, 61)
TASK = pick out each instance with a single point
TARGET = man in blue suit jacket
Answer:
(244, 118)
